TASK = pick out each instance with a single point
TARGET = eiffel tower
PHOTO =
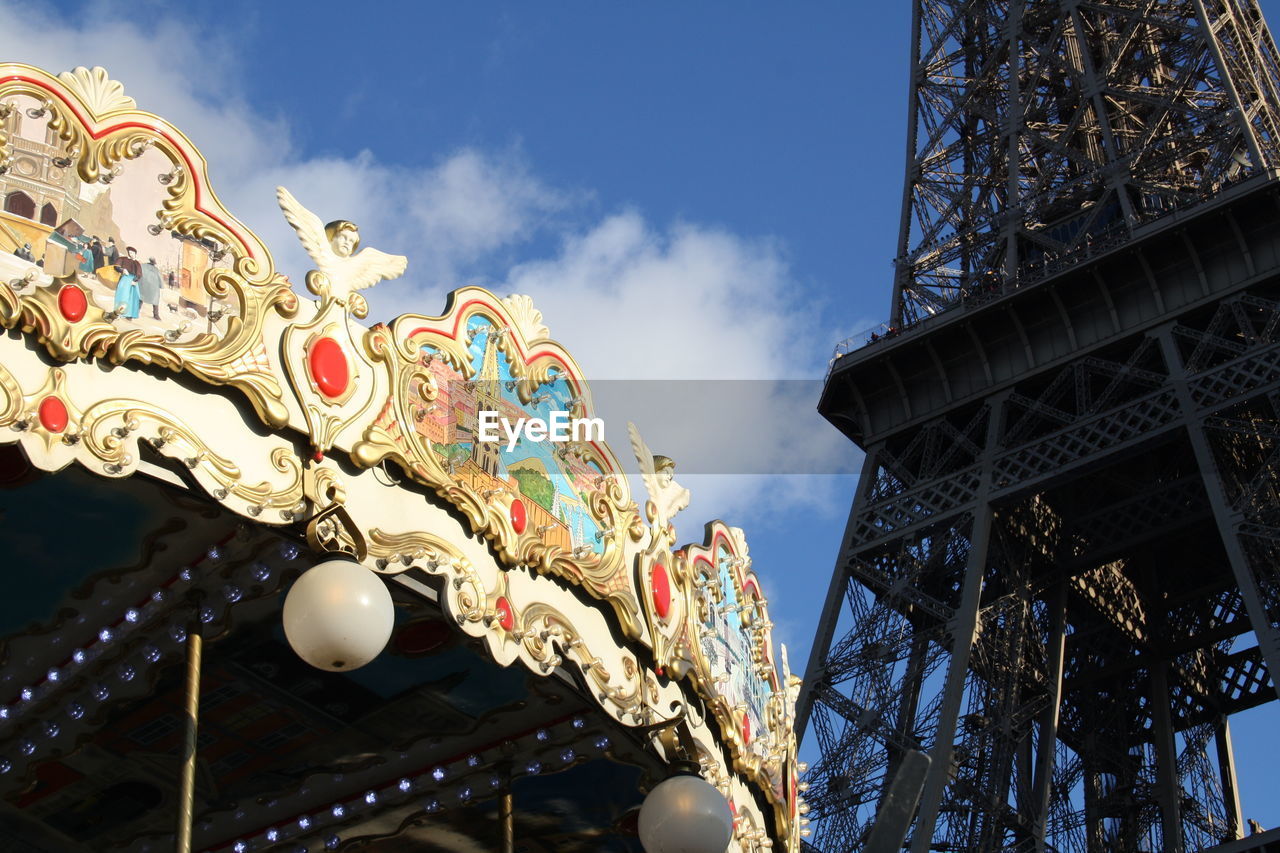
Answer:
(1061, 571)
(488, 395)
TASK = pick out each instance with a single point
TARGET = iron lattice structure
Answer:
(1061, 571)
(1041, 129)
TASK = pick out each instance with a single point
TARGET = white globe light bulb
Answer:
(338, 616)
(685, 814)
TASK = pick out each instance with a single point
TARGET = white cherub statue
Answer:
(791, 687)
(333, 249)
(659, 475)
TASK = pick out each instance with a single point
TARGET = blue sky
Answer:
(741, 114)
(689, 190)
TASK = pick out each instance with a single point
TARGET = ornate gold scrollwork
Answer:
(105, 437)
(92, 119)
(13, 399)
(398, 552)
(332, 531)
(762, 755)
(355, 304)
(549, 636)
(398, 349)
(327, 414)
(45, 413)
(110, 429)
(545, 636)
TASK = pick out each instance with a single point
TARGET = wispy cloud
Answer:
(631, 299)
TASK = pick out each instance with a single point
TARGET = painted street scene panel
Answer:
(108, 236)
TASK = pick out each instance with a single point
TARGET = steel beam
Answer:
(1227, 773)
(964, 631)
(1227, 520)
(831, 607)
(1046, 749)
(1167, 784)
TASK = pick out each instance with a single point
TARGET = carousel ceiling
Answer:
(413, 746)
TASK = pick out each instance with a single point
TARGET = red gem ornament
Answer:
(506, 618)
(72, 302)
(53, 414)
(746, 729)
(329, 369)
(660, 585)
(519, 516)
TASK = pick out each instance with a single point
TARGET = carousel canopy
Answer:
(183, 435)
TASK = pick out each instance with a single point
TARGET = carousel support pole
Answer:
(506, 810)
(187, 790)
(507, 814)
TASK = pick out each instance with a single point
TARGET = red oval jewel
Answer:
(72, 302)
(506, 618)
(53, 414)
(329, 368)
(660, 585)
(519, 516)
(746, 729)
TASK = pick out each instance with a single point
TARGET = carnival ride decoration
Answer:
(288, 416)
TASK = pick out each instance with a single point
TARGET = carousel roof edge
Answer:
(115, 250)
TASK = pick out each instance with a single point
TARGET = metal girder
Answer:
(1039, 128)
(866, 721)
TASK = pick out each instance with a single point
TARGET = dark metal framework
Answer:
(1040, 128)
(1061, 571)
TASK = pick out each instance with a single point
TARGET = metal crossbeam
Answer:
(1039, 128)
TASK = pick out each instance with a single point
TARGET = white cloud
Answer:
(448, 218)
(691, 302)
(472, 204)
(165, 68)
(698, 303)
(630, 299)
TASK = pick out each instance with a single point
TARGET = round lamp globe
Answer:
(338, 616)
(685, 814)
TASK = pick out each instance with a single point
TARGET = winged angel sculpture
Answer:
(666, 496)
(344, 271)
